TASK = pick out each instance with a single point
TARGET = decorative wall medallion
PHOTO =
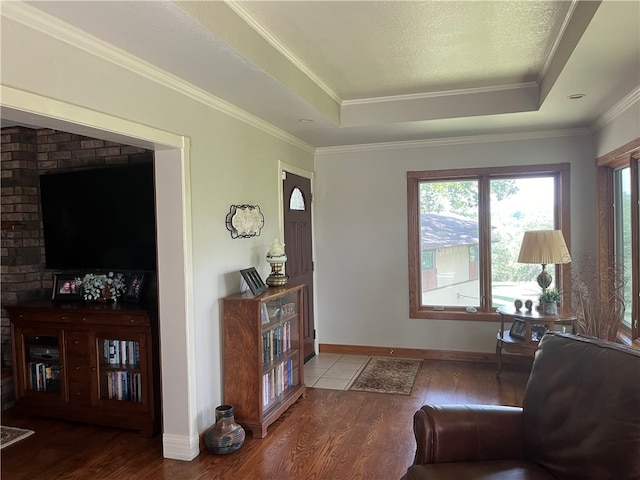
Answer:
(244, 221)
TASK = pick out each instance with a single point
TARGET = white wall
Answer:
(232, 159)
(361, 236)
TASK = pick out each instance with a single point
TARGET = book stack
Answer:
(124, 385)
(275, 342)
(45, 377)
(276, 381)
(123, 352)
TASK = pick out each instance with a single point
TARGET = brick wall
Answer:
(26, 153)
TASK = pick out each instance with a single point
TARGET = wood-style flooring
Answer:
(328, 435)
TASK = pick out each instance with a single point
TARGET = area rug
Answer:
(387, 375)
(11, 435)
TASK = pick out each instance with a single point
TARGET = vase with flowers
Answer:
(102, 287)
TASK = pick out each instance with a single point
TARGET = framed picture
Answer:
(518, 328)
(254, 281)
(135, 284)
(538, 330)
(65, 288)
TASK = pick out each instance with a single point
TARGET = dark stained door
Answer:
(296, 196)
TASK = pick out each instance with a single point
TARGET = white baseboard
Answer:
(180, 447)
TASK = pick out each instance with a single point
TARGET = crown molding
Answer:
(438, 142)
(438, 94)
(280, 47)
(558, 40)
(51, 26)
(618, 109)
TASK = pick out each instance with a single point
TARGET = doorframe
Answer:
(301, 172)
(175, 257)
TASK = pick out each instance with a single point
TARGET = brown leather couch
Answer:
(580, 420)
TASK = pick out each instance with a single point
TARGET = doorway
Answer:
(180, 435)
(298, 235)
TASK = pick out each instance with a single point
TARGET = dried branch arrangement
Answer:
(597, 298)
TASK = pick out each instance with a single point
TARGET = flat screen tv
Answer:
(100, 218)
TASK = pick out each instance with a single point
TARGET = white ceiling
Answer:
(387, 71)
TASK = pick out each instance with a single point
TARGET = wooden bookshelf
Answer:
(263, 358)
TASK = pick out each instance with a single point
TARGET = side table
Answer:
(527, 328)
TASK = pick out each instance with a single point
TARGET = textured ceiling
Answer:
(371, 72)
(373, 49)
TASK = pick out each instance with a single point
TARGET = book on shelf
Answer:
(124, 385)
(277, 381)
(121, 352)
(44, 377)
(276, 342)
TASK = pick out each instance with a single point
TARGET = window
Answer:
(622, 231)
(619, 225)
(465, 230)
(296, 201)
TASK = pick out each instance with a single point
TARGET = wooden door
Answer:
(296, 199)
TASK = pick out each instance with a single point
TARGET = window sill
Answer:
(454, 313)
(624, 337)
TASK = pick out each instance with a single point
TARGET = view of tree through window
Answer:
(450, 233)
(622, 232)
(517, 206)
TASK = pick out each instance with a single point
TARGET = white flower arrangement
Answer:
(102, 285)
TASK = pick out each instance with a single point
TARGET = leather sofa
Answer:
(580, 420)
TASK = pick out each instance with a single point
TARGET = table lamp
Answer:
(276, 258)
(544, 247)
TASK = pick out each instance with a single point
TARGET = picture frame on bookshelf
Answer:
(253, 280)
(135, 284)
(65, 288)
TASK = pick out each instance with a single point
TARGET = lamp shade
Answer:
(544, 247)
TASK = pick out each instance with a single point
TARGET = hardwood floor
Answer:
(329, 435)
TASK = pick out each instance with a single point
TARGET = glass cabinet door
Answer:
(43, 370)
(121, 375)
(280, 349)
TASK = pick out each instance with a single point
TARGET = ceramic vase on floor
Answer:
(226, 436)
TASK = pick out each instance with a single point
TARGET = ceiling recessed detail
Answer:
(377, 71)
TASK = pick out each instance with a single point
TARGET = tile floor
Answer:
(333, 371)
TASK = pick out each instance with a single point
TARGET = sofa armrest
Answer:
(450, 433)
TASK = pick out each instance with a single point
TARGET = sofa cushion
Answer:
(494, 470)
(582, 409)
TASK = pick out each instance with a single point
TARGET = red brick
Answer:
(43, 132)
(129, 150)
(73, 145)
(60, 155)
(59, 137)
(48, 165)
(92, 143)
(107, 152)
(86, 153)
(48, 147)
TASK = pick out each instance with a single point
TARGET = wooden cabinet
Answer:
(263, 358)
(88, 363)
